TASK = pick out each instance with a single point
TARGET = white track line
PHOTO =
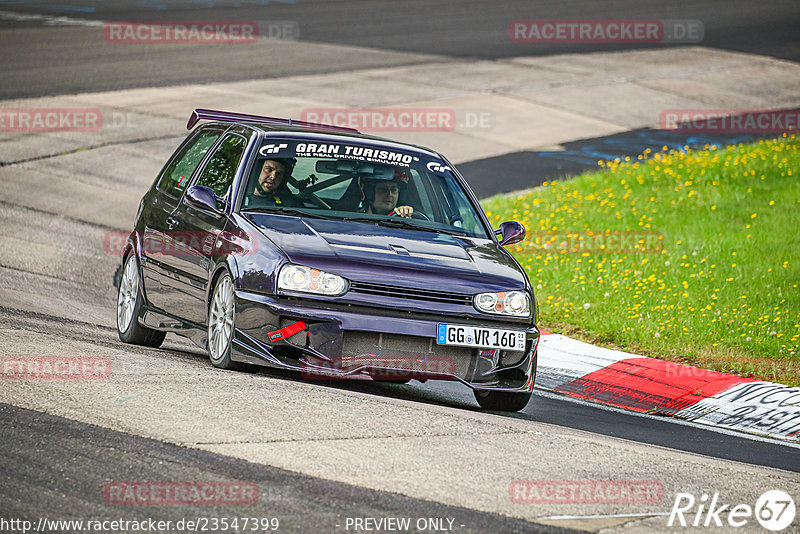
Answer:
(557, 517)
(49, 20)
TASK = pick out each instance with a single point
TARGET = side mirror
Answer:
(511, 232)
(203, 198)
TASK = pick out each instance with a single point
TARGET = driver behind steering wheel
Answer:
(381, 196)
(270, 187)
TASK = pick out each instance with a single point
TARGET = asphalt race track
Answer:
(302, 503)
(35, 56)
(321, 454)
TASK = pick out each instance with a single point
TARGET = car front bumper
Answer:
(324, 341)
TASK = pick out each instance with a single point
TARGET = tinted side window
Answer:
(176, 176)
(221, 167)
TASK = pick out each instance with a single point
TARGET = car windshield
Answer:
(353, 182)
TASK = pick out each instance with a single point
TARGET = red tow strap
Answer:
(287, 331)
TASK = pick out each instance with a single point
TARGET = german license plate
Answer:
(480, 337)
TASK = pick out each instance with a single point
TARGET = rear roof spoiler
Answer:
(227, 116)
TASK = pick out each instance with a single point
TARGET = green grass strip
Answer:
(686, 256)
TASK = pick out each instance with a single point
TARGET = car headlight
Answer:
(307, 280)
(513, 303)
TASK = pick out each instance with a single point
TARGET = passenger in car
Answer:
(270, 187)
(381, 196)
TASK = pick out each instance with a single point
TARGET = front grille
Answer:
(405, 352)
(409, 293)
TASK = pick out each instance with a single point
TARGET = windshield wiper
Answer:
(402, 222)
(394, 222)
(286, 211)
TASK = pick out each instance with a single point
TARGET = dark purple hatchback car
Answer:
(339, 255)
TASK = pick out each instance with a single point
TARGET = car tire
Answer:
(221, 324)
(502, 401)
(129, 307)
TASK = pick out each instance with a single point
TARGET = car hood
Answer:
(370, 252)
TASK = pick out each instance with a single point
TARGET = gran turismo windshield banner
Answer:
(290, 149)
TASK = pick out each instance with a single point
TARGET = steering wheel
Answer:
(414, 215)
(314, 199)
(421, 216)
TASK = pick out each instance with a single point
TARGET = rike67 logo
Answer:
(774, 510)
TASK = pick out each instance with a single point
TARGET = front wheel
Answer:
(129, 307)
(502, 401)
(221, 316)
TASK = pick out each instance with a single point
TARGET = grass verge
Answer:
(688, 256)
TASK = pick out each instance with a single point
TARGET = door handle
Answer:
(172, 222)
